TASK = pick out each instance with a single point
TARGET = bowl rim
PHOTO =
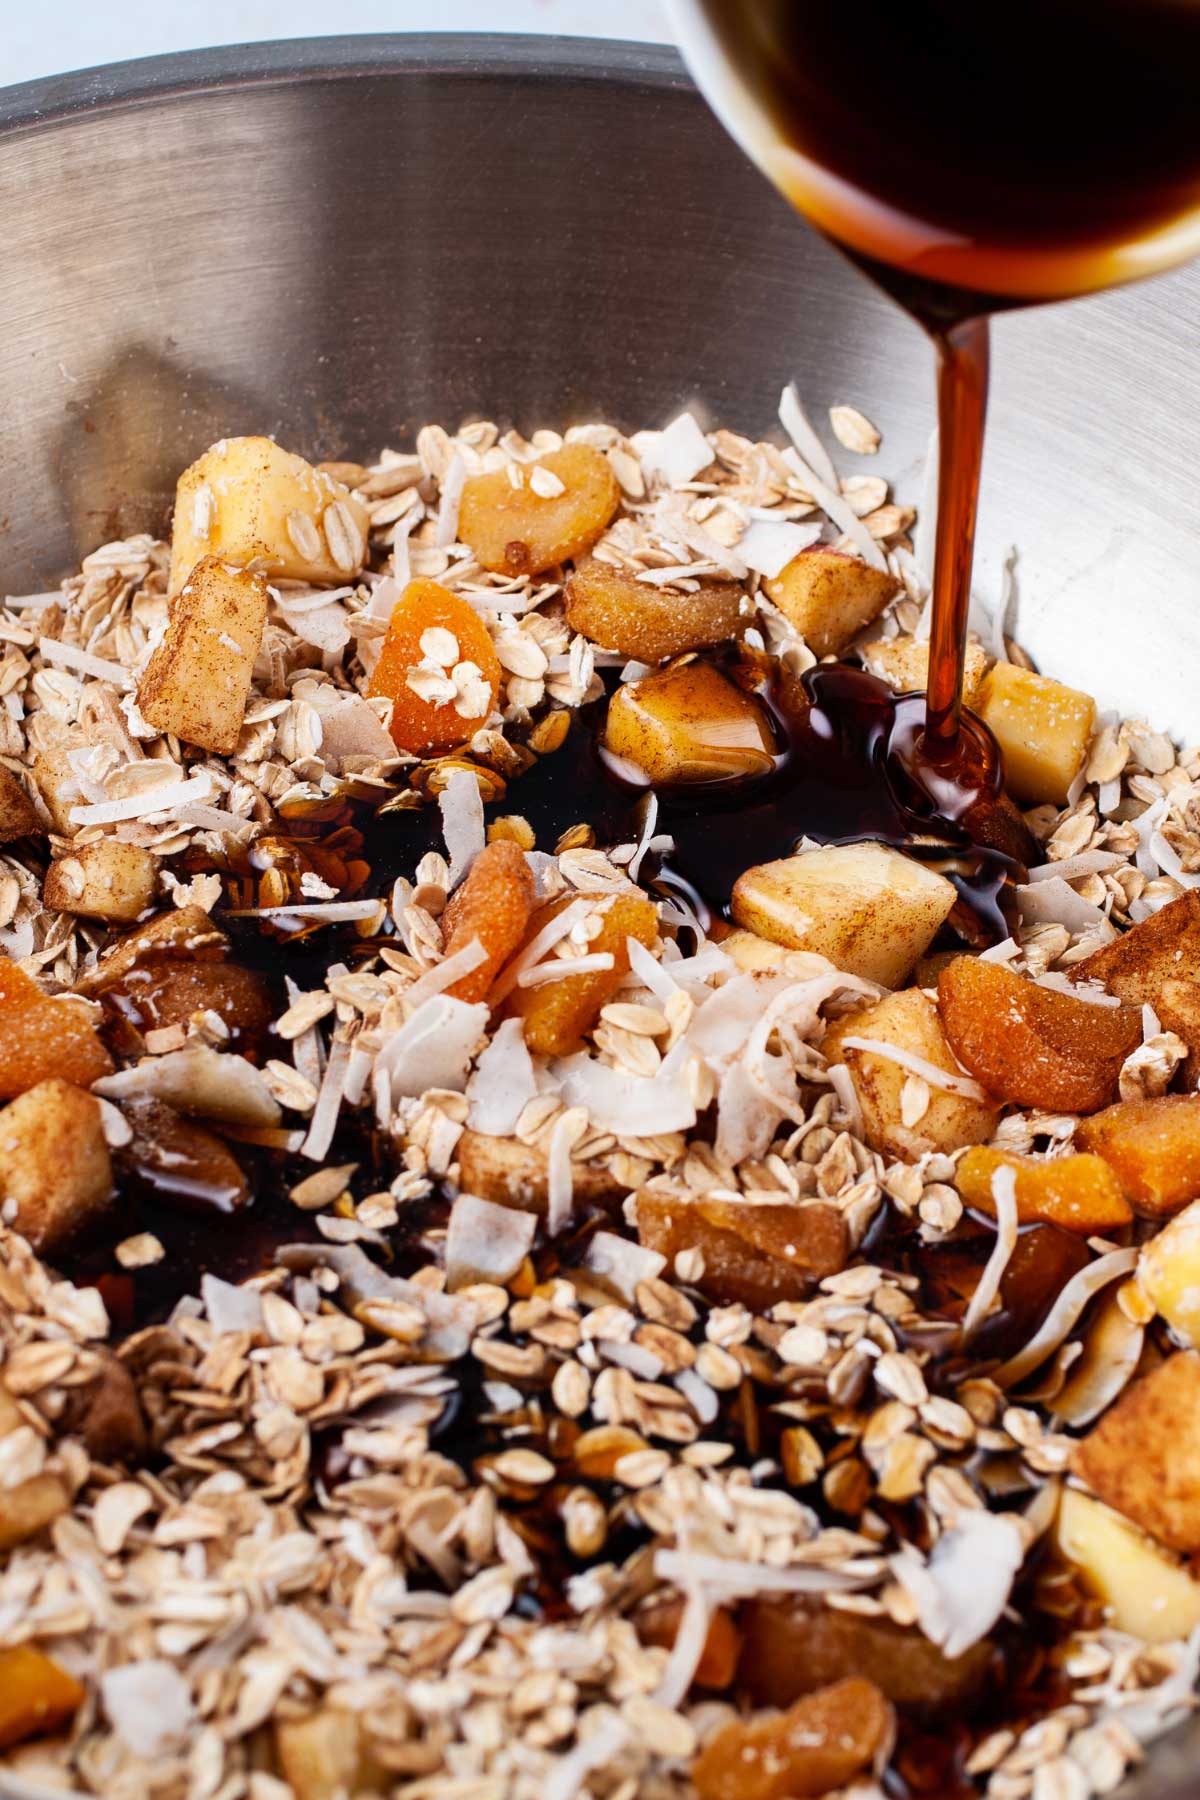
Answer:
(53, 100)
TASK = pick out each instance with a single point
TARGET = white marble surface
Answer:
(36, 40)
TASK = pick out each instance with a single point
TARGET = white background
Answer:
(38, 39)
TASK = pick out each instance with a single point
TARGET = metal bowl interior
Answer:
(335, 241)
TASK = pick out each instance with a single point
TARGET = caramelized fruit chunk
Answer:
(903, 663)
(830, 598)
(559, 509)
(687, 723)
(1044, 1259)
(197, 682)
(248, 501)
(36, 1695)
(493, 904)
(617, 611)
(1042, 727)
(327, 1756)
(891, 1121)
(820, 1743)
(29, 1507)
(1168, 1274)
(1032, 1045)
(794, 1646)
(515, 1174)
(866, 907)
(18, 817)
(1143, 1457)
(1148, 1594)
(171, 993)
(558, 1013)
(1177, 1004)
(181, 1163)
(755, 1252)
(187, 933)
(438, 667)
(41, 1037)
(106, 880)
(658, 1623)
(1165, 947)
(1153, 1148)
(1080, 1193)
(54, 1162)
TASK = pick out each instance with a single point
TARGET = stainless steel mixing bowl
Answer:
(337, 240)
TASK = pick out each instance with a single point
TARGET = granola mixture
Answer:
(676, 1358)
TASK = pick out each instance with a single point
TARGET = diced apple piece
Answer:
(1080, 1193)
(492, 905)
(687, 723)
(755, 1252)
(184, 934)
(18, 817)
(36, 1695)
(326, 1756)
(830, 597)
(29, 1507)
(106, 880)
(558, 1013)
(1168, 1274)
(59, 787)
(42, 1037)
(54, 1162)
(1041, 726)
(1165, 947)
(197, 681)
(908, 1020)
(180, 1163)
(560, 507)
(795, 1645)
(1143, 1456)
(1032, 1045)
(821, 1743)
(250, 502)
(658, 1623)
(1153, 1148)
(156, 997)
(617, 611)
(1149, 1595)
(903, 662)
(511, 1173)
(752, 953)
(1177, 1004)
(866, 907)
(438, 667)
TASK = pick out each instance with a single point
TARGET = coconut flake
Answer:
(567, 1779)
(452, 1317)
(963, 1085)
(560, 968)
(453, 482)
(731, 1576)
(542, 941)
(230, 1308)
(964, 1587)
(147, 805)
(622, 1262)
(1065, 1312)
(1088, 862)
(1146, 826)
(461, 806)
(149, 1705)
(503, 1083)
(1004, 1193)
(325, 1113)
(690, 1638)
(560, 1188)
(1170, 862)
(839, 510)
(486, 1242)
(678, 454)
(1003, 952)
(447, 972)
(353, 728)
(800, 429)
(1051, 902)
(327, 912)
(200, 1080)
(842, 1083)
(70, 656)
(388, 591)
(768, 547)
(645, 836)
(925, 531)
(649, 970)
(630, 1105)
(433, 1048)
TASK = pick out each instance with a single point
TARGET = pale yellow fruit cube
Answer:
(326, 1755)
(1168, 1274)
(252, 503)
(900, 1117)
(1148, 1593)
(866, 907)
(105, 880)
(903, 662)
(688, 723)
(830, 597)
(1042, 727)
(58, 785)
(197, 682)
(55, 1168)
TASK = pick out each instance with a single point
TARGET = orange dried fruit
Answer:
(688, 723)
(658, 1623)
(820, 1743)
(437, 633)
(493, 904)
(558, 1013)
(1032, 1045)
(560, 507)
(36, 1695)
(1080, 1193)
(755, 1252)
(43, 1037)
(1153, 1148)
(617, 611)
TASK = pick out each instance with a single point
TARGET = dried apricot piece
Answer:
(36, 1695)
(619, 612)
(1080, 1193)
(1153, 1148)
(1032, 1045)
(555, 512)
(558, 1013)
(658, 1623)
(43, 1037)
(820, 1743)
(687, 723)
(438, 667)
(755, 1252)
(493, 904)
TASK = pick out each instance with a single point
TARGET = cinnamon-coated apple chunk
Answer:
(105, 880)
(687, 723)
(18, 817)
(830, 598)
(614, 609)
(55, 1170)
(198, 680)
(1143, 1456)
(553, 510)
(1137, 965)
(1043, 728)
